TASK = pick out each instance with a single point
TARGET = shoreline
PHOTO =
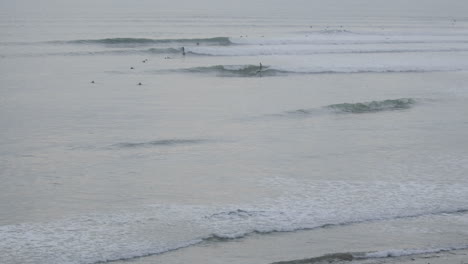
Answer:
(456, 256)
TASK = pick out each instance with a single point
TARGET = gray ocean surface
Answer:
(285, 131)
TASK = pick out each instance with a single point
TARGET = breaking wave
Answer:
(360, 108)
(236, 70)
(149, 231)
(373, 106)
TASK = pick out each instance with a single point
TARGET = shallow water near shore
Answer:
(350, 137)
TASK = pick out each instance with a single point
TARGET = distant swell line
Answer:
(222, 53)
(135, 41)
(164, 142)
(270, 52)
(268, 71)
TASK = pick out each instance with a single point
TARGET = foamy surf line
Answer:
(66, 241)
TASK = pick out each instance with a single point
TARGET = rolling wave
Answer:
(373, 106)
(235, 70)
(359, 108)
(254, 70)
(139, 41)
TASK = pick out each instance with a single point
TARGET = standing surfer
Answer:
(260, 69)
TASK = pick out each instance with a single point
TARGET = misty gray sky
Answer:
(303, 8)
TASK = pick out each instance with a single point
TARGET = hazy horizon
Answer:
(304, 8)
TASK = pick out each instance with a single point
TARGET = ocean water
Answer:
(283, 132)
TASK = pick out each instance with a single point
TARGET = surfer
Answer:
(260, 69)
(183, 51)
(139, 83)
(92, 81)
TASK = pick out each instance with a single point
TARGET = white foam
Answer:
(160, 228)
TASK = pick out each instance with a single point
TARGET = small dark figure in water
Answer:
(131, 68)
(145, 60)
(139, 83)
(260, 69)
(183, 51)
(198, 43)
(92, 81)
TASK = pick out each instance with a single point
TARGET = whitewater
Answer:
(161, 135)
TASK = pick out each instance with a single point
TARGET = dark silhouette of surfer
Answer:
(260, 69)
(183, 51)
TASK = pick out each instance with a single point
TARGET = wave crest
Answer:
(373, 106)
(236, 70)
(359, 108)
(136, 41)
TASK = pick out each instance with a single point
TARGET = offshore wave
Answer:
(136, 41)
(236, 70)
(360, 108)
(254, 70)
(233, 51)
(164, 142)
(373, 106)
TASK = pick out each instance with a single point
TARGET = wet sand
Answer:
(446, 257)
